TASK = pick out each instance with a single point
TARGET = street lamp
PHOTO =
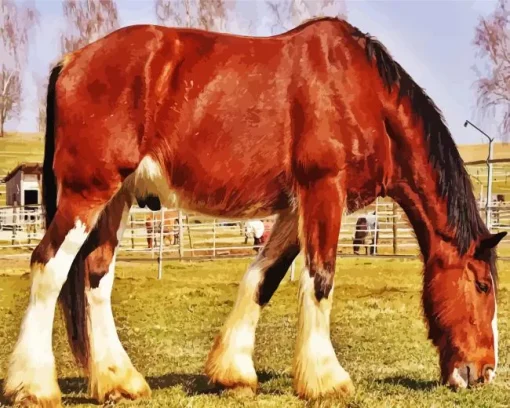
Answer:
(489, 173)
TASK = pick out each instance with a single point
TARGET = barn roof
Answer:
(26, 168)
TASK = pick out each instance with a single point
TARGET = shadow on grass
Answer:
(411, 383)
(67, 386)
(198, 384)
(193, 384)
(386, 290)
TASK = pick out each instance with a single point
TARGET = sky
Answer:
(431, 39)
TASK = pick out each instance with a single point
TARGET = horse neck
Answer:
(414, 188)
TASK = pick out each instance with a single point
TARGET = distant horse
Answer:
(170, 232)
(498, 200)
(301, 125)
(257, 230)
(365, 227)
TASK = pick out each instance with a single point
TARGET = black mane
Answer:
(453, 182)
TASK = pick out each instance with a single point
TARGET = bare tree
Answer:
(287, 14)
(16, 24)
(87, 21)
(205, 14)
(41, 83)
(492, 40)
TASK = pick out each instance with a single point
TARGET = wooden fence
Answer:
(194, 236)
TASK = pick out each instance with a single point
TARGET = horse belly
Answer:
(200, 194)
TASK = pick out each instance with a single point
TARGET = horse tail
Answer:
(49, 185)
(72, 295)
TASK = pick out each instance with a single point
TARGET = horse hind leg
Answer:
(31, 375)
(112, 375)
(317, 371)
(230, 361)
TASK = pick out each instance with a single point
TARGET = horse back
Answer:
(230, 123)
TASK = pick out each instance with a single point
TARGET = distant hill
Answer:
(20, 147)
(29, 147)
(480, 151)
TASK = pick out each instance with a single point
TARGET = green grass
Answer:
(20, 147)
(168, 327)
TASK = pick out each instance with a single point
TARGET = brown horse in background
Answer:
(300, 125)
(360, 233)
(170, 232)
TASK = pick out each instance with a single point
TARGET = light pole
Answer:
(489, 174)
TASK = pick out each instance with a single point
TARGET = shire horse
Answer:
(337, 122)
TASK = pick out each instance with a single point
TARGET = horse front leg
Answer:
(317, 371)
(230, 362)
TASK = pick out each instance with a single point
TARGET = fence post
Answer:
(395, 229)
(14, 223)
(376, 232)
(132, 233)
(214, 237)
(488, 214)
(153, 233)
(181, 236)
(161, 239)
(29, 229)
(189, 236)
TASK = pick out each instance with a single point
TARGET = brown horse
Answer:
(153, 228)
(361, 232)
(299, 125)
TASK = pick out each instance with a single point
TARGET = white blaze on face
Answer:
(495, 331)
(459, 377)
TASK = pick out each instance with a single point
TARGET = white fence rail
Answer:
(199, 236)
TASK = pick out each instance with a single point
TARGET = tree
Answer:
(16, 24)
(492, 40)
(41, 83)
(87, 21)
(287, 14)
(205, 14)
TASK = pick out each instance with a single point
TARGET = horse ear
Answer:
(490, 242)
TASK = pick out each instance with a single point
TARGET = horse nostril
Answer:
(487, 368)
(488, 372)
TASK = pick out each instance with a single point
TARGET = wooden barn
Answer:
(23, 185)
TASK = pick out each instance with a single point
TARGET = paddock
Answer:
(169, 325)
(308, 185)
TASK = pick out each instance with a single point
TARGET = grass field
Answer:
(20, 147)
(168, 327)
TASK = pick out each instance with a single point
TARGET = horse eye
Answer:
(482, 287)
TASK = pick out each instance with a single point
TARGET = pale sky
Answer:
(431, 39)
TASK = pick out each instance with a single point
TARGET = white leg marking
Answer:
(316, 368)
(110, 368)
(32, 363)
(230, 361)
